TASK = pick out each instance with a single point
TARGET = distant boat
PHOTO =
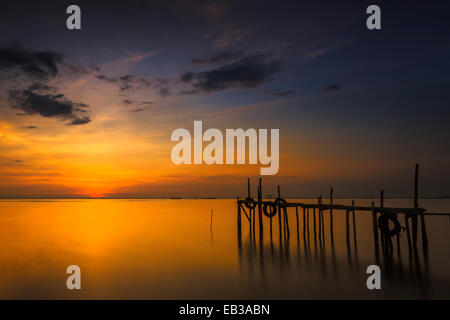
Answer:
(175, 198)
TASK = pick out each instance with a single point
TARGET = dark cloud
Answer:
(164, 92)
(333, 87)
(77, 121)
(126, 82)
(35, 64)
(278, 92)
(42, 100)
(127, 102)
(217, 58)
(248, 72)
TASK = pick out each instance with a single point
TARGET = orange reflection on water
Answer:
(163, 249)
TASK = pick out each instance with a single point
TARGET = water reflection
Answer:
(310, 244)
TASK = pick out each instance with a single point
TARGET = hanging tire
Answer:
(280, 202)
(269, 209)
(383, 224)
(250, 203)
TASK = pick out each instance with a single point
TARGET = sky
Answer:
(90, 112)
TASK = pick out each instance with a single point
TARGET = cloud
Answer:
(248, 72)
(332, 87)
(164, 92)
(230, 36)
(126, 82)
(127, 102)
(130, 83)
(278, 92)
(78, 121)
(35, 64)
(217, 58)
(40, 99)
(137, 57)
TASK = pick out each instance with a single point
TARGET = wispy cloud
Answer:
(216, 58)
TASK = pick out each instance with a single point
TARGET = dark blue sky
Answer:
(373, 97)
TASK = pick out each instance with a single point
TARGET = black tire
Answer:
(269, 209)
(383, 224)
(250, 203)
(280, 202)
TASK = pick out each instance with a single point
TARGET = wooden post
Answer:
(279, 219)
(382, 198)
(260, 207)
(239, 215)
(354, 224)
(314, 220)
(374, 223)
(307, 221)
(383, 236)
(408, 234)
(323, 222)
(331, 214)
(304, 222)
(416, 187)
(331, 209)
(239, 234)
(248, 187)
(286, 220)
(320, 220)
(347, 226)
(296, 215)
(416, 206)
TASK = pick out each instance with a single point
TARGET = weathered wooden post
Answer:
(381, 198)
(323, 222)
(307, 222)
(374, 223)
(331, 215)
(314, 220)
(416, 206)
(347, 226)
(354, 223)
(239, 215)
(260, 207)
(279, 210)
(239, 234)
(383, 236)
(304, 222)
(320, 219)
(331, 209)
(408, 234)
(286, 220)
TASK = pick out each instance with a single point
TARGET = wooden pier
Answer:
(385, 220)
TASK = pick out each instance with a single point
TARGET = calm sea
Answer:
(190, 249)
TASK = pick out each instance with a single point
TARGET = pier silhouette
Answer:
(275, 225)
